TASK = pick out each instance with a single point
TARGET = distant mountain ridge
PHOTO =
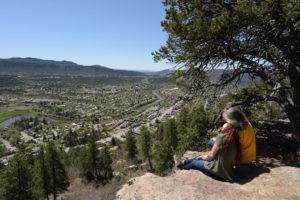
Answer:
(162, 73)
(35, 66)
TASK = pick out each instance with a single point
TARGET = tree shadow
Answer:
(246, 173)
(274, 139)
(274, 149)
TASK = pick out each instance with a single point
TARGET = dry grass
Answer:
(80, 191)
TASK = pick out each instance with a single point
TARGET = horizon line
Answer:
(85, 65)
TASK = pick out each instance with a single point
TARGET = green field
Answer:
(8, 114)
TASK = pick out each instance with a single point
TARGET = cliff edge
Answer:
(266, 179)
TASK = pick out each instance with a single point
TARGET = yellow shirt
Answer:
(247, 145)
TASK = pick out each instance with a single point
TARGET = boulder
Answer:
(279, 183)
(257, 181)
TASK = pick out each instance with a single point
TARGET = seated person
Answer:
(235, 144)
(247, 143)
(220, 160)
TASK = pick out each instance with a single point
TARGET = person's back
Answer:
(247, 145)
(222, 164)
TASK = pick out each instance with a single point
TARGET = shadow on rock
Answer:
(246, 173)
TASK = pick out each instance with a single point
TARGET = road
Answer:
(119, 133)
(156, 102)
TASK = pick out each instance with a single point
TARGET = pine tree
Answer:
(257, 39)
(170, 134)
(91, 162)
(2, 181)
(17, 182)
(86, 170)
(113, 141)
(162, 157)
(41, 176)
(2, 150)
(159, 133)
(93, 157)
(71, 138)
(104, 129)
(95, 164)
(198, 129)
(58, 176)
(105, 166)
(130, 145)
(182, 130)
(144, 142)
(165, 146)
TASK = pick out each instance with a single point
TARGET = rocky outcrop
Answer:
(258, 181)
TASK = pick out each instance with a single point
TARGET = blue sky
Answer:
(114, 33)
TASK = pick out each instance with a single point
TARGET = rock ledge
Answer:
(253, 182)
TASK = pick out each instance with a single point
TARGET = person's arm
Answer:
(211, 155)
(213, 152)
(226, 127)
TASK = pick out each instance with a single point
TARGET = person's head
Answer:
(235, 118)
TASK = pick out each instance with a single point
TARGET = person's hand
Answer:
(202, 157)
(226, 127)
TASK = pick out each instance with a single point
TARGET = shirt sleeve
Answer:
(219, 140)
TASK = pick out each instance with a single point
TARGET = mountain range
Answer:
(34, 66)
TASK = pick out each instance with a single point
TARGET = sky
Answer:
(119, 34)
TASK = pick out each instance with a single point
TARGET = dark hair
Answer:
(233, 135)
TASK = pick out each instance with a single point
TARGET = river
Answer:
(8, 122)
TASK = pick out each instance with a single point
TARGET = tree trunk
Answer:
(292, 110)
(19, 180)
(53, 177)
(150, 163)
(294, 76)
(295, 121)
